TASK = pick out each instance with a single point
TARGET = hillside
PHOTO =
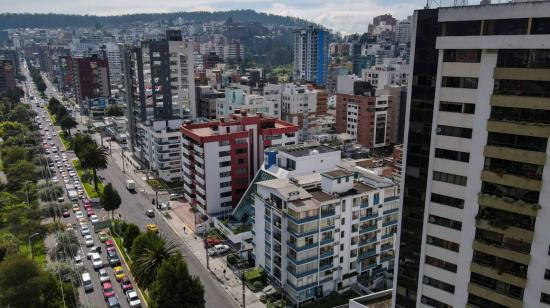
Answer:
(28, 20)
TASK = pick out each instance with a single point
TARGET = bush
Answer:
(252, 275)
(258, 285)
(232, 259)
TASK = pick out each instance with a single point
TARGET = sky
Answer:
(346, 16)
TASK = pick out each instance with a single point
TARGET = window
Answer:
(457, 107)
(461, 28)
(529, 196)
(291, 164)
(446, 200)
(434, 303)
(477, 301)
(224, 153)
(452, 155)
(449, 178)
(225, 164)
(445, 222)
(522, 88)
(544, 298)
(459, 82)
(225, 194)
(435, 241)
(505, 26)
(453, 131)
(528, 143)
(225, 174)
(438, 284)
(526, 170)
(448, 266)
(540, 26)
(497, 286)
(520, 115)
(524, 58)
(462, 55)
(225, 184)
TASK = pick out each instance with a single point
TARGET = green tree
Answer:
(49, 192)
(148, 252)
(94, 157)
(80, 142)
(9, 245)
(9, 129)
(130, 233)
(174, 285)
(110, 199)
(21, 114)
(67, 123)
(67, 246)
(24, 284)
(20, 172)
(114, 111)
(13, 154)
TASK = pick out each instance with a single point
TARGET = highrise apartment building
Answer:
(7, 75)
(220, 158)
(474, 229)
(90, 78)
(301, 105)
(158, 82)
(311, 55)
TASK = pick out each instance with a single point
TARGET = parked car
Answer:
(103, 236)
(153, 228)
(150, 213)
(126, 284)
(108, 290)
(66, 214)
(113, 258)
(212, 241)
(218, 249)
(94, 219)
(176, 196)
(97, 262)
(133, 299)
(89, 240)
(85, 230)
(104, 276)
(78, 261)
(112, 302)
(119, 273)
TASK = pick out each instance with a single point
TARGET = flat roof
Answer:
(337, 173)
(302, 150)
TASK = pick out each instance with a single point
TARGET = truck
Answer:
(73, 195)
(130, 185)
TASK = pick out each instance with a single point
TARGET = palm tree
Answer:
(148, 252)
(94, 157)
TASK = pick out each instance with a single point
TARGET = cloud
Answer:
(347, 16)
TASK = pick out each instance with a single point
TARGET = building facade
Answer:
(482, 217)
(7, 75)
(311, 55)
(220, 158)
(90, 78)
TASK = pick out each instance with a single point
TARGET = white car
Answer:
(55, 180)
(97, 262)
(78, 261)
(133, 299)
(104, 275)
(218, 249)
(79, 214)
(54, 134)
(94, 219)
(89, 240)
(85, 230)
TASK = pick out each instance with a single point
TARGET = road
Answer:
(133, 210)
(87, 299)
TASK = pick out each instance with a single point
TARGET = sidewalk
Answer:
(231, 283)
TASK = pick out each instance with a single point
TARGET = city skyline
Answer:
(347, 16)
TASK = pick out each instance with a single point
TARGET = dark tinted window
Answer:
(540, 26)
(459, 82)
(461, 28)
(457, 107)
(462, 55)
(452, 155)
(505, 26)
(524, 58)
(446, 200)
(454, 131)
(522, 88)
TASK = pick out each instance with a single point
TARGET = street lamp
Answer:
(30, 246)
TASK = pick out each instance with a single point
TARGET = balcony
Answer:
(524, 156)
(491, 295)
(389, 223)
(372, 240)
(367, 229)
(367, 254)
(515, 128)
(498, 274)
(369, 217)
(501, 252)
(386, 247)
(511, 180)
(509, 231)
(520, 102)
(301, 248)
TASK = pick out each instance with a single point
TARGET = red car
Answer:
(108, 290)
(90, 212)
(66, 214)
(88, 206)
(212, 241)
(126, 284)
(109, 243)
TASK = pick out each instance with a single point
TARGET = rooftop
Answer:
(302, 150)
(337, 173)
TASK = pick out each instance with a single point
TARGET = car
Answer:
(126, 284)
(79, 214)
(76, 208)
(52, 143)
(164, 205)
(150, 213)
(93, 249)
(218, 249)
(113, 258)
(69, 227)
(85, 230)
(94, 219)
(133, 299)
(175, 196)
(88, 206)
(212, 241)
(112, 302)
(97, 262)
(103, 236)
(90, 212)
(104, 276)
(109, 243)
(107, 290)
(119, 273)
(89, 240)
(82, 220)
(55, 179)
(66, 213)
(78, 261)
(153, 228)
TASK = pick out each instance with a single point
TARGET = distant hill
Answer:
(28, 20)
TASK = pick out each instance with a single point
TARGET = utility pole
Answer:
(244, 297)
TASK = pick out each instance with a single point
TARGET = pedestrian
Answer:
(184, 231)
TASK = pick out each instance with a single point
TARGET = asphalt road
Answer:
(133, 210)
(95, 297)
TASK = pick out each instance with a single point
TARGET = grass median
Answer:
(87, 181)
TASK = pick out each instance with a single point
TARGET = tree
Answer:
(20, 172)
(148, 252)
(67, 271)
(9, 129)
(54, 209)
(10, 155)
(80, 142)
(67, 246)
(24, 284)
(130, 233)
(110, 199)
(49, 192)
(114, 111)
(67, 123)
(174, 285)
(9, 245)
(94, 157)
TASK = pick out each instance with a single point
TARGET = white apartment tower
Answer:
(476, 189)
